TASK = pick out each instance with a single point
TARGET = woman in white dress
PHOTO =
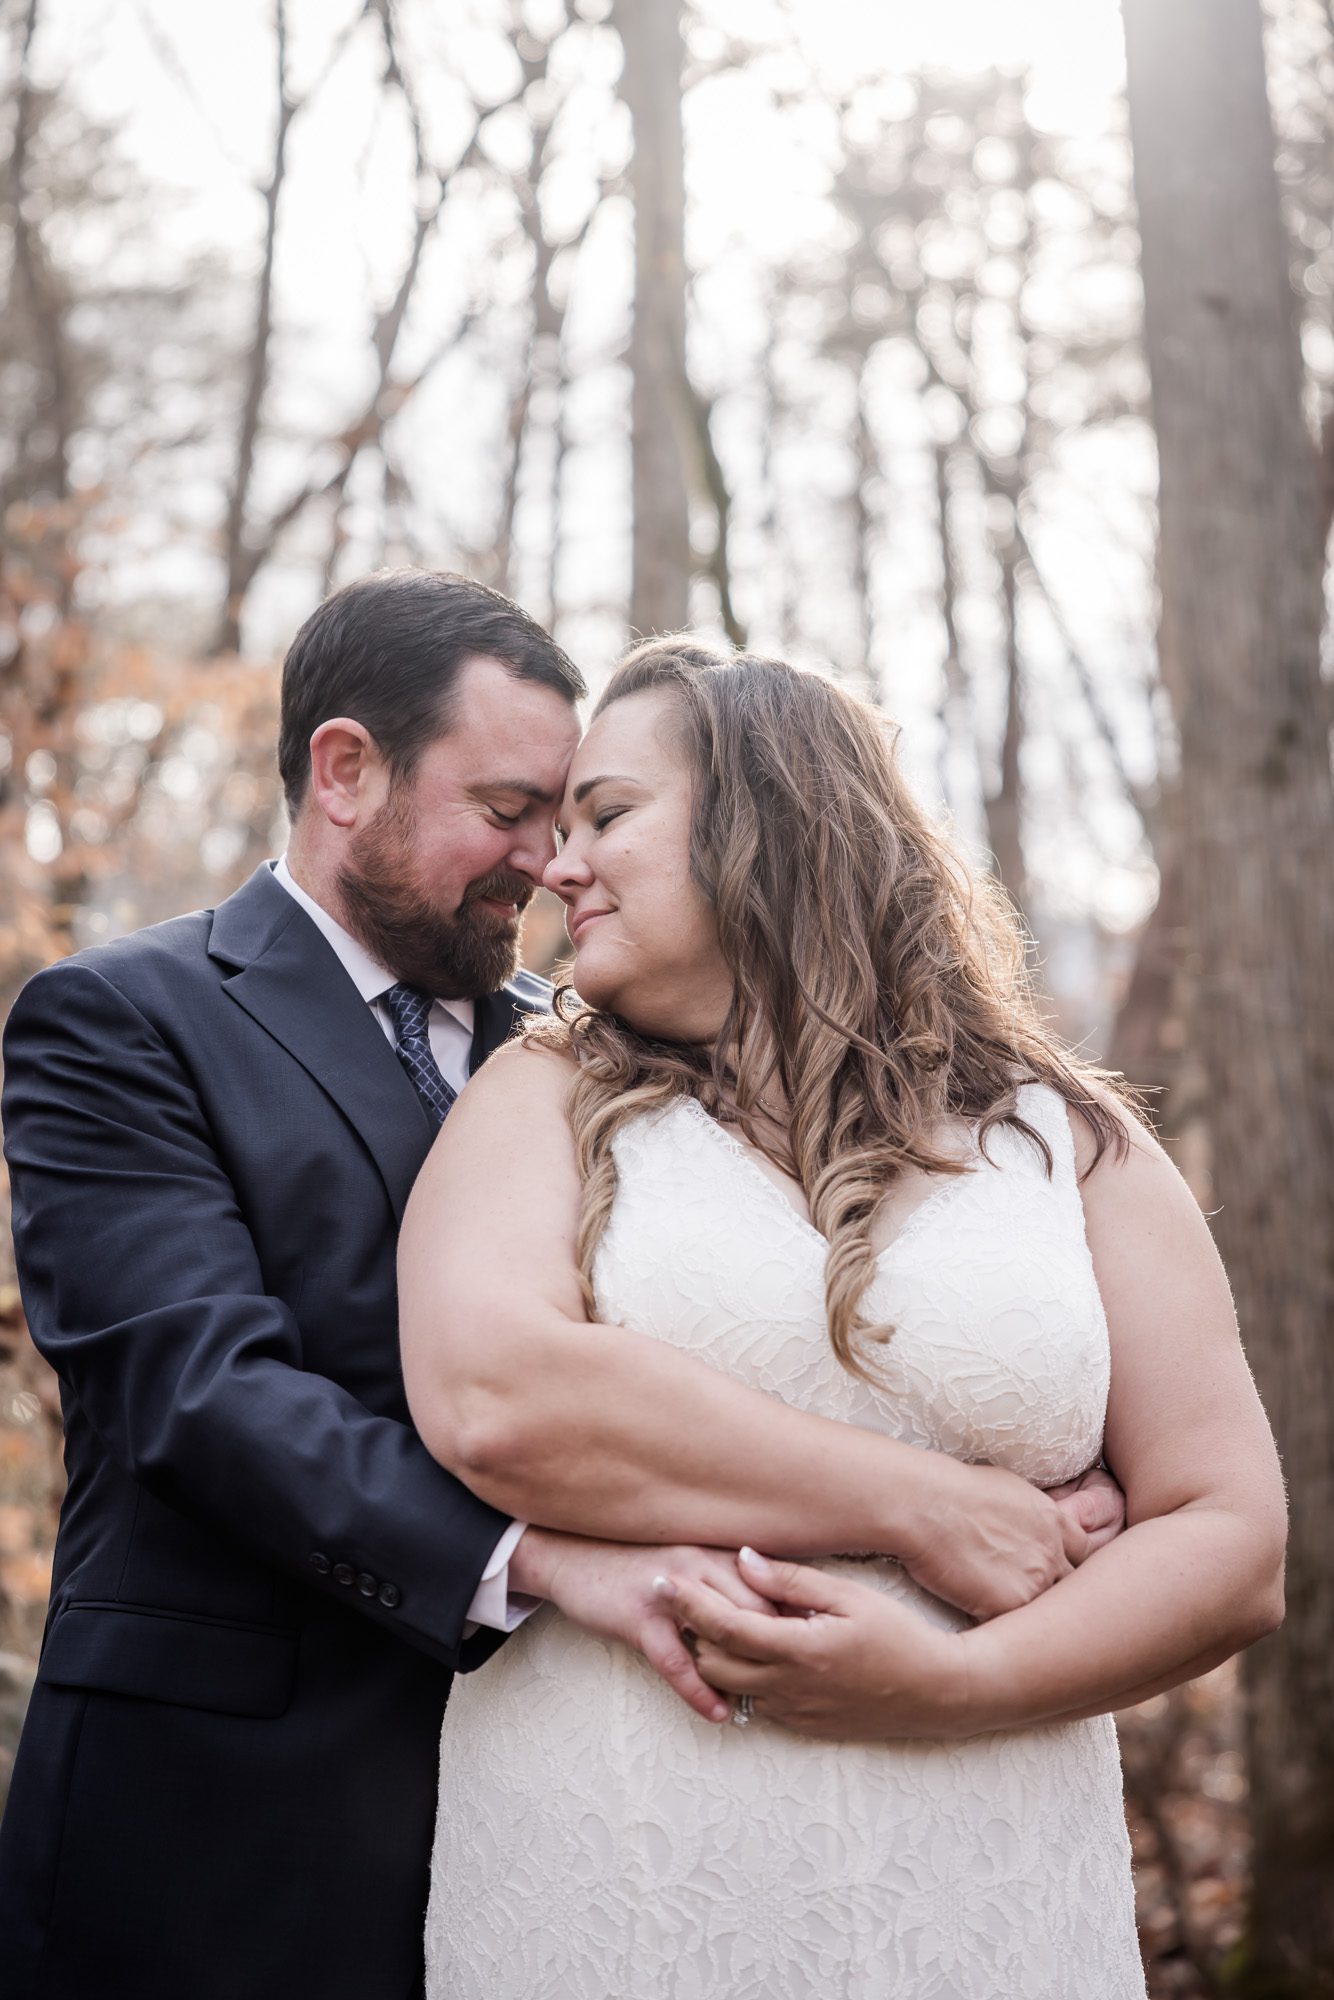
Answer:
(808, 1129)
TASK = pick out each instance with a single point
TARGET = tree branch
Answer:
(228, 636)
(33, 271)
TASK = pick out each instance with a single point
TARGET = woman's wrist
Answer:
(985, 1680)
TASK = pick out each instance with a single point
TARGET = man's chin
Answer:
(484, 967)
(453, 957)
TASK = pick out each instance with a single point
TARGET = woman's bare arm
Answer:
(1196, 1576)
(594, 1430)
(1199, 1573)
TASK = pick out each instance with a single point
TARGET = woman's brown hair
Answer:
(880, 988)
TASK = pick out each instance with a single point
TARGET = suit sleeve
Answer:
(143, 1290)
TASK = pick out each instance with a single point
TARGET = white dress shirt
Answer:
(450, 1028)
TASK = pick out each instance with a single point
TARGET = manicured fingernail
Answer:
(721, 1713)
(753, 1560)
(663, 1587)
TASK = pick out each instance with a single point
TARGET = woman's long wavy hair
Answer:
(880, 988)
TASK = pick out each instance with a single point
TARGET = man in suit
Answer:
(226, 1781)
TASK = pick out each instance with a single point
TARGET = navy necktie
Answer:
(410, 1011)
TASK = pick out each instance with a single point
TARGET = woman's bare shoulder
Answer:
(1136, 1192)
(525, 1073)
(1134, 1139)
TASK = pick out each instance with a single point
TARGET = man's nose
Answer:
(533, 855)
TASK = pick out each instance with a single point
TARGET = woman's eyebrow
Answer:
(581, 791)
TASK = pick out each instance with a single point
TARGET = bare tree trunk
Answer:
(956, 710)
(541, 366)
(553, 553)
(37, 295)
(1241, 567)
(711, 481)
(650, 32)
(228, 636)
(516, 427)
(1005, 808)
(866, 462)
(1005, 805)
(1146, 1035)
(248, 543)
(773, 537)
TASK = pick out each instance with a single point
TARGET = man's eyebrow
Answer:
(606, 778)
(523, 786)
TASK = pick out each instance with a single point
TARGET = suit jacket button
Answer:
(344, 1573)
(367, 1584)
(320, 1564)
(390, 1595)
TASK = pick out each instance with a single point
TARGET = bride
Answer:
(807, 1129)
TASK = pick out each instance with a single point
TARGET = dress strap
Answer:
(1045, 1110)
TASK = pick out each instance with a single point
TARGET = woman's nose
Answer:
(567, 871)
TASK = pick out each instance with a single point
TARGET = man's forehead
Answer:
(488, 685)
(503, 724)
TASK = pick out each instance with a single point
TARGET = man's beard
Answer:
(455, 957)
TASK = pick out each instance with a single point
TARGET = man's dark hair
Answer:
(387, 650)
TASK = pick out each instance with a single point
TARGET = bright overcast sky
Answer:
(206, 133)
(1073, 51)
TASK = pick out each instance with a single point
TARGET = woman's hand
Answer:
(845, 1662)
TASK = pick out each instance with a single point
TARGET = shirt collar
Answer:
(370, 978)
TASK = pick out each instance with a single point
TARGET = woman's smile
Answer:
(575, 924)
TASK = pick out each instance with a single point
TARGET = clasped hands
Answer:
(830, 1657)
(823, 1654)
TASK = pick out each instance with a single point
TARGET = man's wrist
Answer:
(535, 1562)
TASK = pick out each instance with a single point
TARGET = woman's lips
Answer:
(585, 917)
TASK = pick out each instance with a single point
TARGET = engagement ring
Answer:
(742, 1710)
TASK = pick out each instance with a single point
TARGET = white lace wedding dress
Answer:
(597, 1841)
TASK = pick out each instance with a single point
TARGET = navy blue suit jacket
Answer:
(226, 1783)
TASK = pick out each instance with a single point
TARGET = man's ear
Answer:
(347, 773)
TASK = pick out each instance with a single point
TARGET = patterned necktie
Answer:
(409, 1011)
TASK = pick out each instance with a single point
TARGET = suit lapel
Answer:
(494, 1016)
(289, 980)
(498, 1014)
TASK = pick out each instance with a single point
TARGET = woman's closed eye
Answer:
(606, 816)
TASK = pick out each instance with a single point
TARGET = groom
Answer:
(226, 1783)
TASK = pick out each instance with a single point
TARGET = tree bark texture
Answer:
(36, 297)
(240, 570)
(660, 417)
(1005, 805)
(1240, 571)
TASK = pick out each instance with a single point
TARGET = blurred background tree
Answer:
(819, 328)
(1241, 562)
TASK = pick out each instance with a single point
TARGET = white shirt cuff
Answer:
(492, 1603)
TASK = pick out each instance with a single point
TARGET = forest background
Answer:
(983, 354)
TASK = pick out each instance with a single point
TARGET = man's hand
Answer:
(990, 1542)
(846, 1662)
(608, 1588)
